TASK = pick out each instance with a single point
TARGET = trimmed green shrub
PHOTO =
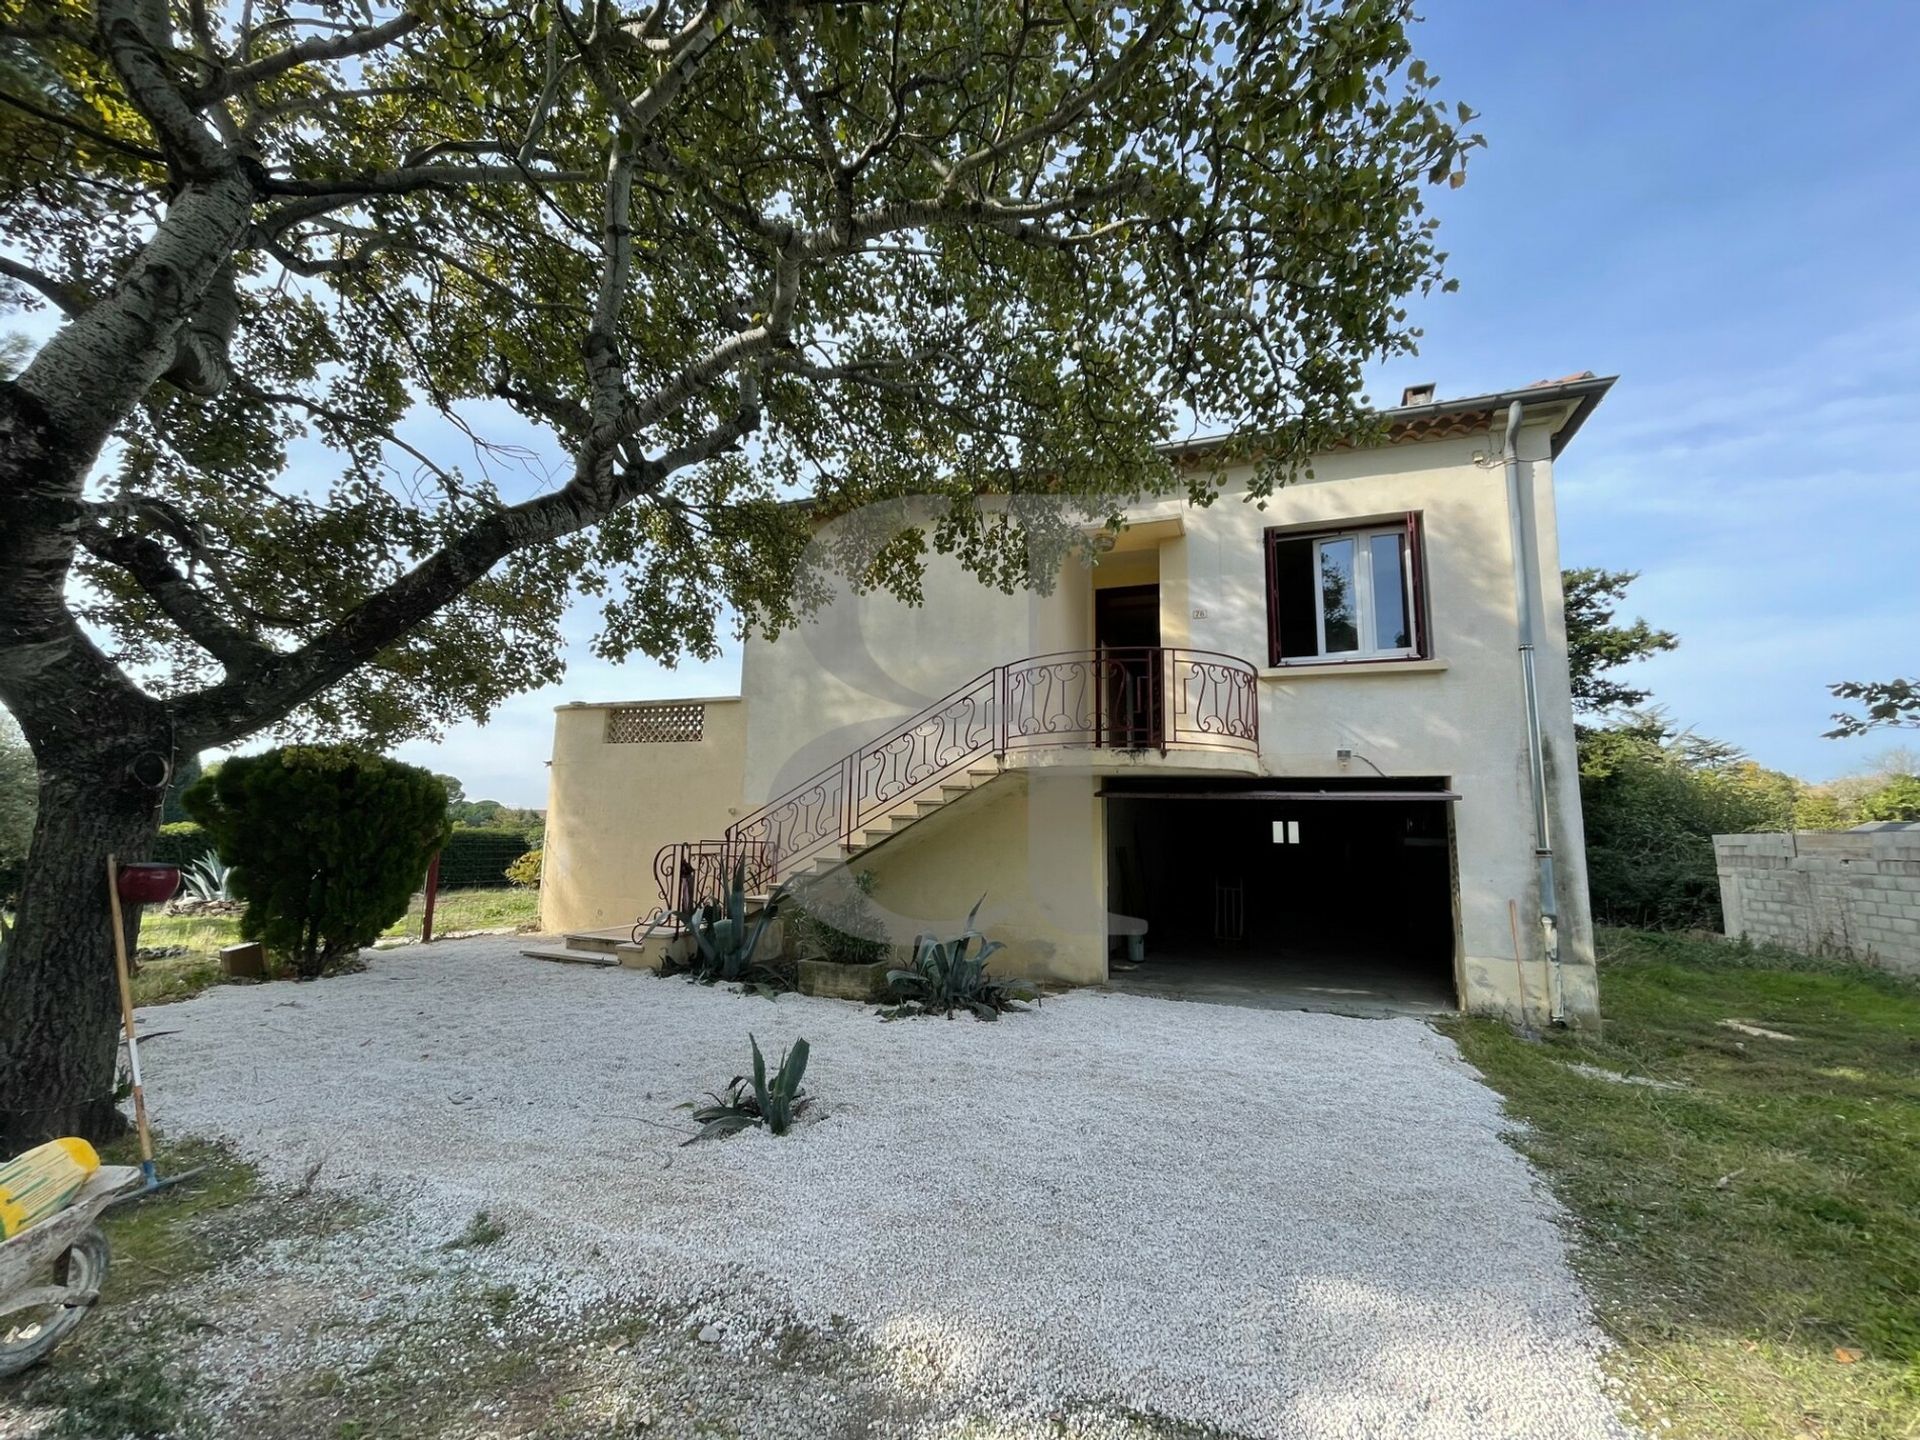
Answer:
(181, 843)
(474, 859)
(327, 843)
(186, 775)
(19, 799)
(525, 871)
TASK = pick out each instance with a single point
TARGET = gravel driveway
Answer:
(1279, 1224)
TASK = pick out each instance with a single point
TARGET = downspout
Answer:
(1526, 588)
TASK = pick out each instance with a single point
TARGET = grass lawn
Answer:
(1750, 1227)
(176, 977)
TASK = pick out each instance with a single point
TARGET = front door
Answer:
(1126, 635)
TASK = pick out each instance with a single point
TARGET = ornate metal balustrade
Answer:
(1143, 698)
(697, 872)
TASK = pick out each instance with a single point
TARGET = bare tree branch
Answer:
(234, 708)
(79, 127)
(145, 560)
(233, 80)
(67, 298)
(134, 33)
(1068, 113)
(408, 179)
(322, 411)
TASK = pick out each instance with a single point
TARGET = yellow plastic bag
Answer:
(43, 1182)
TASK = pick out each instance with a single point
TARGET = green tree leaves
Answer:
(1899, 800)
(1596, 645)
(1894, 703)
(715, 257)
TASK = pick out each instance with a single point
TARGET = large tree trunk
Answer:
(104, 747)
(104, 750)
(59, 998)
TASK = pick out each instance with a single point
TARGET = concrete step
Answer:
(601, 941)
(566, 955)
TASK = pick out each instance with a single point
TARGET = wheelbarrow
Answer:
(51, 1273)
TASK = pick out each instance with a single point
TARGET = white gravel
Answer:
(1277, 1223)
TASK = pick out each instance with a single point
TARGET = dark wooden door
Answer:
(1126, 634)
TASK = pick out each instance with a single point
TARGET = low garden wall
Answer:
(1849, 892)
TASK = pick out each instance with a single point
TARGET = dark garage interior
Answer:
(1306, 894)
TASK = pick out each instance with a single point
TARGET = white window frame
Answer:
(1363, 598)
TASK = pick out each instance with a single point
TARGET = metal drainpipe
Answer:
(1526, 586)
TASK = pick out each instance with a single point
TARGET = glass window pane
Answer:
(1339, 604)
(1391, 630)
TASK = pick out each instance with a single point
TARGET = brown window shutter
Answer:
(1417, 601)
(1273, 600)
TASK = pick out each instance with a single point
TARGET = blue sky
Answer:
(1716, 202)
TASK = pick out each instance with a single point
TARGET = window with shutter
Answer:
(1349, 594)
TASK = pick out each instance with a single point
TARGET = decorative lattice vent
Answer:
(655, 724)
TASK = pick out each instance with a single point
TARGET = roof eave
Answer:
(1586, 392)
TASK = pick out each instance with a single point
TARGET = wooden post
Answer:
(433, 890)
(126, 1016)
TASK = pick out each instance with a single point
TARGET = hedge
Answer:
(475, 859)
(181, 843)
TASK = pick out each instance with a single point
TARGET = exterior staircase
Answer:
(1134, 699)
(885, 825)
(650, 935)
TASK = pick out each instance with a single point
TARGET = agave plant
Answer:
(746, 1102)
(949, 975)
(208, 878)
(724, 946)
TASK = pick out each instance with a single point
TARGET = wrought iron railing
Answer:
(1134, 698)
(698, 872)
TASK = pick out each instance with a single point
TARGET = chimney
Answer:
(1421, 394)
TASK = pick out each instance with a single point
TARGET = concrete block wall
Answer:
(1849, 892)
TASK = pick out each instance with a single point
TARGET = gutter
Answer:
(1526, 586)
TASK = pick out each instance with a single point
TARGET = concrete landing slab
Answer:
(1368, 987)
(571, 957)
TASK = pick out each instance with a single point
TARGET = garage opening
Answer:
(1309, 895)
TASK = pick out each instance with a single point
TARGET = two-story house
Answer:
(1319, 751)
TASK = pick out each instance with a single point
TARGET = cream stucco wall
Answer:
(611, 807)
(1459, 716)
(1034, 842)
(860, 663)
(863, 663)
(1029, 847)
